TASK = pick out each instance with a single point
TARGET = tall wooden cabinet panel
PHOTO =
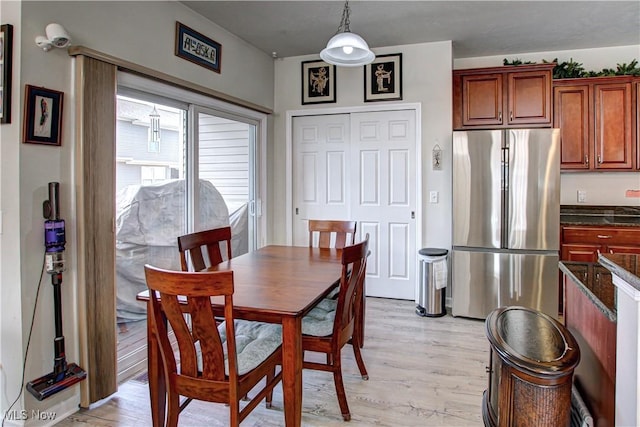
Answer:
(500, 97)
(596, 119)
(612, 126)
(571, 115)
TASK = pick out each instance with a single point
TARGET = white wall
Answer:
(603, 188)
(11, 336)
(141, 32)
(426, 79)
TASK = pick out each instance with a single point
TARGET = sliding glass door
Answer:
(180, 167)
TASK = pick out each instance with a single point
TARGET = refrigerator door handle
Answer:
(504, 195)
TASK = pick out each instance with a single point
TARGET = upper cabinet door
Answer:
(482, 100)
(502, 97)
(613, 126)
(571, 116)
(529, 97)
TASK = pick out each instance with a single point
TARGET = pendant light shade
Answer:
(347, 49)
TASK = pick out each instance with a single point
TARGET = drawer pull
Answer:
(604, 236)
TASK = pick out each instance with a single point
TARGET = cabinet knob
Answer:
(500, 115)
(586, 160)
(599, 159)
(511, 116)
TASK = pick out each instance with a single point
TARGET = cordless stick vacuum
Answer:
(64, 375)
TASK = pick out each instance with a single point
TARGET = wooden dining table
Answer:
(275, 284)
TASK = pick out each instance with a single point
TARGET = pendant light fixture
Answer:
(347, 49)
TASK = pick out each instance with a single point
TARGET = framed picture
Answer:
(197, 48)
(318, 82)
(6, 49)
(42, 116)
(383, 78)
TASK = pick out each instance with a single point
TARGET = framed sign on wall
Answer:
(197, 48)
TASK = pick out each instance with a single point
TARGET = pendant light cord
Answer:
(344, 22)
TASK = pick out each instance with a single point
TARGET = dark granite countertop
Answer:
(619, 216)
(594, 280)
(625, 266)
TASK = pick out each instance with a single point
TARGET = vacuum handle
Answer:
(54, 200)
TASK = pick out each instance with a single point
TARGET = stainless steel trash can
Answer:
(432, 282)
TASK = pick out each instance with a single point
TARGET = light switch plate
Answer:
(582, 196)
(433, 197)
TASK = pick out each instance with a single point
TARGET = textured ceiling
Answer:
(477, 28)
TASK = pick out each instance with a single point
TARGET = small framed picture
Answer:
(42, 116)
(197, 48)
(383, 78)
(318, 82)
(6, 47)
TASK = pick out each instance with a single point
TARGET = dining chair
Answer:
(214, 363)
(343, 233)
(209, 241)
(330, 325)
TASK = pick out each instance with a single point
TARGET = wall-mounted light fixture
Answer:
(56, 36)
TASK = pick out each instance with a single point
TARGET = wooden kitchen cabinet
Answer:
(499, 97)
(596, 121)
(584, 243)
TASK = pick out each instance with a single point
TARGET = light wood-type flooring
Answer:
(423, 372)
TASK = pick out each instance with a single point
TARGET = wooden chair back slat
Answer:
(344, 232)
(209, 241)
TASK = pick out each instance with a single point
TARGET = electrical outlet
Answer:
(433, 197)
(582, 196)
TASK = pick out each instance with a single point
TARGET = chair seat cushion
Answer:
(319, 321)
(255, 341)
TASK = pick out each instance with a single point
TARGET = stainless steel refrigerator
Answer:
(506, 220)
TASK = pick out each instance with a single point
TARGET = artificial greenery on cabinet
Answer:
(572, 69)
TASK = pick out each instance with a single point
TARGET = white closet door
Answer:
(320, 171)
(383, 189)
(362, 167)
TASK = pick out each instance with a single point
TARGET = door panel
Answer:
(534, 189)
(373, 230)
(483, 281)
(398, 256)
(320, 171)
(383, 154)
(477, 212)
